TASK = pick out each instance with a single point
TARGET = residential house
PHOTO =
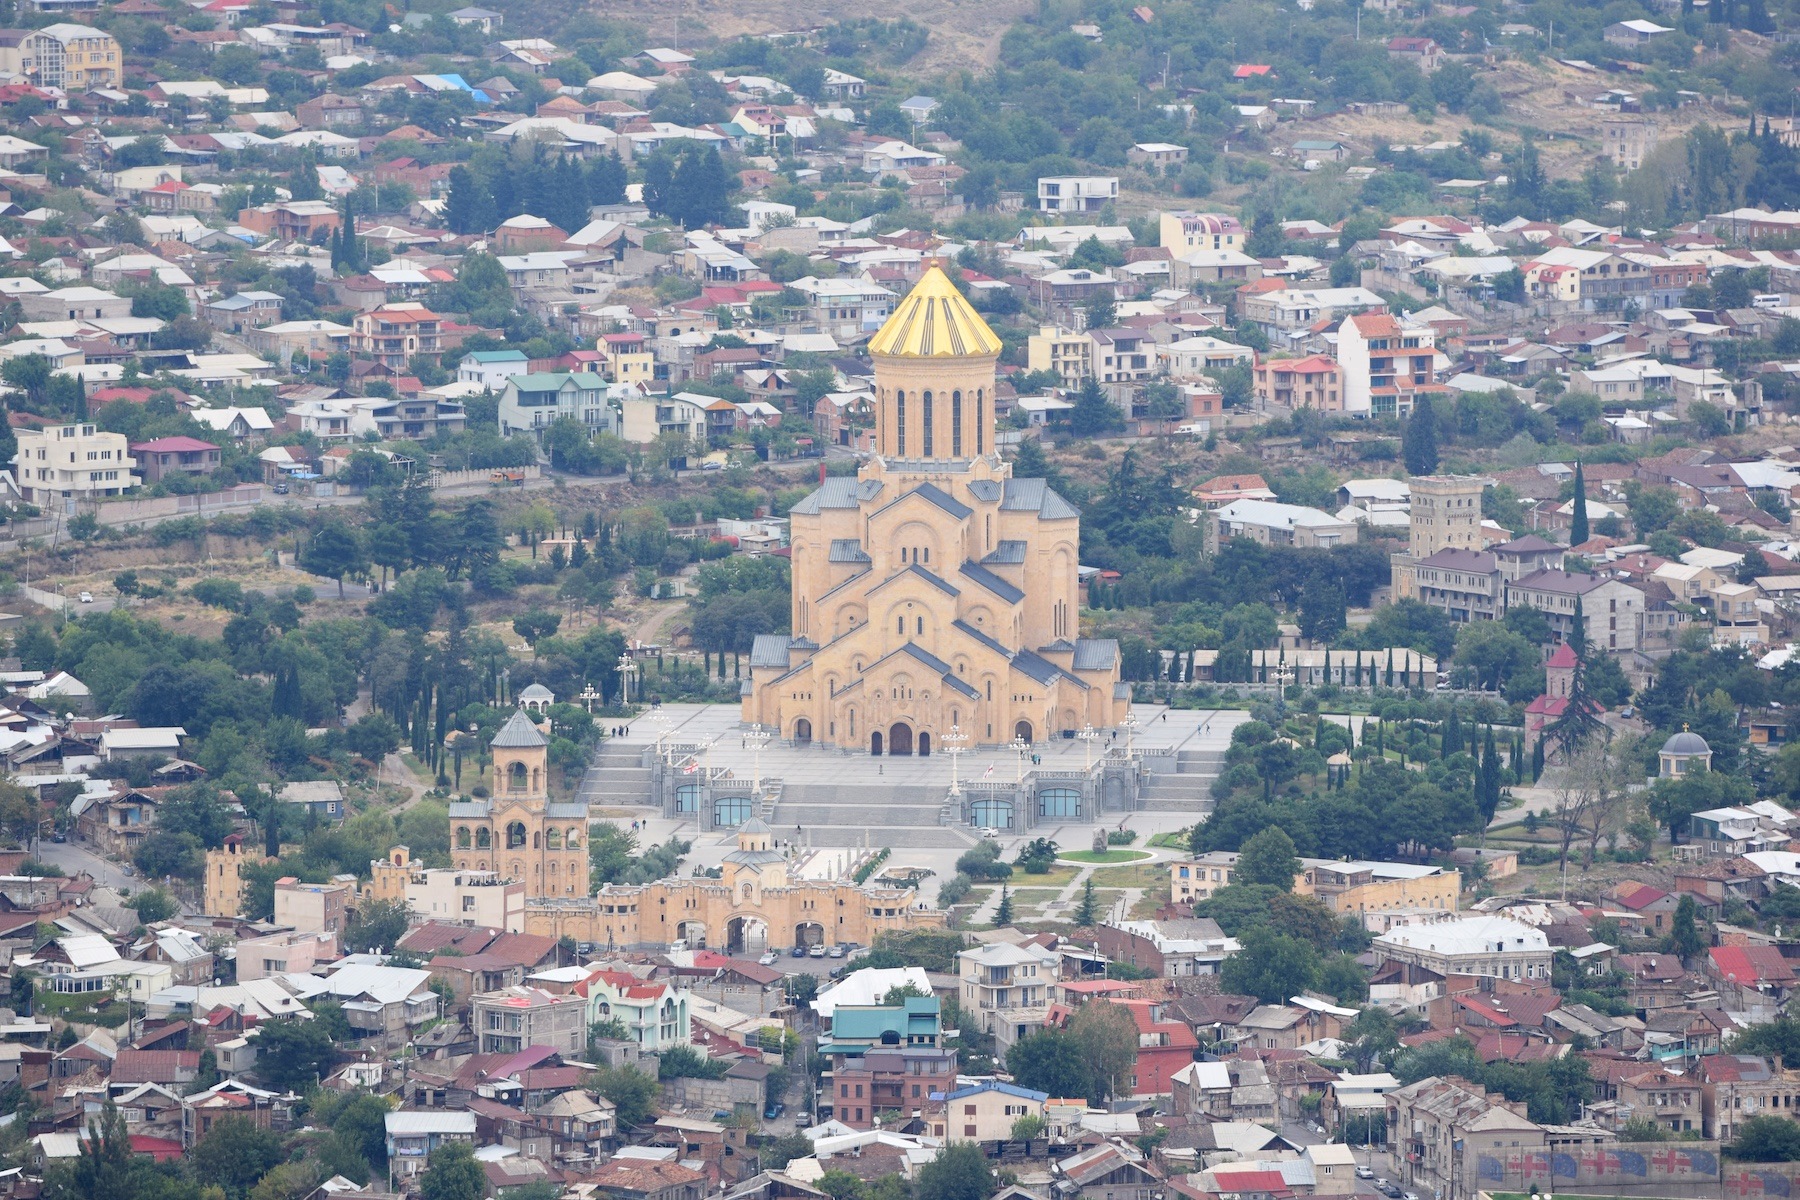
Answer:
(1492, 946)
(392, 334)
(513, 1018)
(71, 463)
(163, 457)
(982, 1112)
(1611, 610)
(531, 403)
(1273, 524)
(1315, 382)
(1076, 193)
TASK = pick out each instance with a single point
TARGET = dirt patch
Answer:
(963, 36)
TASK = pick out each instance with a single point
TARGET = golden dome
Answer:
(935, 320)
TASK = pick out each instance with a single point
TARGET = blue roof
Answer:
(490, 356)
(992, 1085)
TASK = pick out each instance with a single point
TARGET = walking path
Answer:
(1067, 900)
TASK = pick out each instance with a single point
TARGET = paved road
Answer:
(75, 859)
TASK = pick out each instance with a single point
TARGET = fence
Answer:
(450, 479)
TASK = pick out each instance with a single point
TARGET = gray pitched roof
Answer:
(915, 569)
(992, 582)
(1095, 654)
(519, 733)
(770, 650)
(1035, 495)
(981, 637)
(848, 550)
(839, 491)
(986, 490)
(1006, 553)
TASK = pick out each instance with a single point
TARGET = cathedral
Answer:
(933, 592)
(517, 830)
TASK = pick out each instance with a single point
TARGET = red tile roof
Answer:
(1751, 964)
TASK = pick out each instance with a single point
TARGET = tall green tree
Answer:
(1418, 443)
(1268, 858)
(334, 552)
(959, 1172)
(453, 1174)
(1578, 522)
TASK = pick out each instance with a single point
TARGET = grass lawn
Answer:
(1055, 877)
(1174, 839)
(1144, 875)
(1035, 895)
(1119, 855)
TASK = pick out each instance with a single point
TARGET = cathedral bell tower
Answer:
(934, 377)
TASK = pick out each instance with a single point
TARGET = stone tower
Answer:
(517, 830)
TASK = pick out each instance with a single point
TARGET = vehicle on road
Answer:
(59, 836)
(86, 597)
(1363, 1172)
(768, 960)
(280, 489)
(774, 1111)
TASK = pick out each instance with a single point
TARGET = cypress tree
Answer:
(1419, 441)
(1578, 632)
(1537, 760)
(1578, 524)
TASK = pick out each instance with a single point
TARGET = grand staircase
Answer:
(617, 777)
(1186, 789)
(899, 815)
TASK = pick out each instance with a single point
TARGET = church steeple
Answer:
(934, 376)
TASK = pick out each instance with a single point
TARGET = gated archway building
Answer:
(754, 888)
(933, 590)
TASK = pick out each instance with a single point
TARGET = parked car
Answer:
(774, 1111)
(1363, 1172)
(837, 952)
(817, 951)
(280, 489)
(768, 960)
(799, 951)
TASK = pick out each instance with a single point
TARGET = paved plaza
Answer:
(711, 737)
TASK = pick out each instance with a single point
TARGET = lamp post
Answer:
(758, 737)
(1131, 724)
(1087, 735)
(953, 746)
(660, 721)
(627, 669)
(1019, 747)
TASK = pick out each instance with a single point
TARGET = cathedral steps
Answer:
(617, 777)
(1188, 788)
(898, 815)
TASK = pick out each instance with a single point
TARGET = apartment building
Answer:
(1497, 947)
(1076, 193)
(1387, 367)
(71, 462)
(1315, 382)
(1464, 583)
(1439, 1128)
(293, 220)
(1007, 989)
(72, 57)
(1122, 356)
(1070, 355)
(480, 899)
(1201, 357)
(1274, 524)
(1611, 610)
(1181, 232)
(509, 1020)
(393, 333)
(314, 907)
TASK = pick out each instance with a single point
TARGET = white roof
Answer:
(384, 985)
(222, 418)
(868, 986)
(88, 950)
(1275, 515)
(1208, 1076)
(1470, 935)
(402, 1124)
(160, 738)
(1378, 489)
(1640, 26)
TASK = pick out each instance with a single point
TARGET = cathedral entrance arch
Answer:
(1022, 731)
(924, 744)
(809, 933)
(746, 934)
(900, 739)
(802, 732)
(693, 933)
(875, 743)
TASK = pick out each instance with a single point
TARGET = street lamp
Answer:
(628, 668)
(1019, 747)
(1087, 735)
(953, 746)
(758, 737)
(659, 720)
(1131, 724)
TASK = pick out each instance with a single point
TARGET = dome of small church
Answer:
(935, 320)
(1686, 743)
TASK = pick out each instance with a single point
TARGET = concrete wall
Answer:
(712, 1094)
